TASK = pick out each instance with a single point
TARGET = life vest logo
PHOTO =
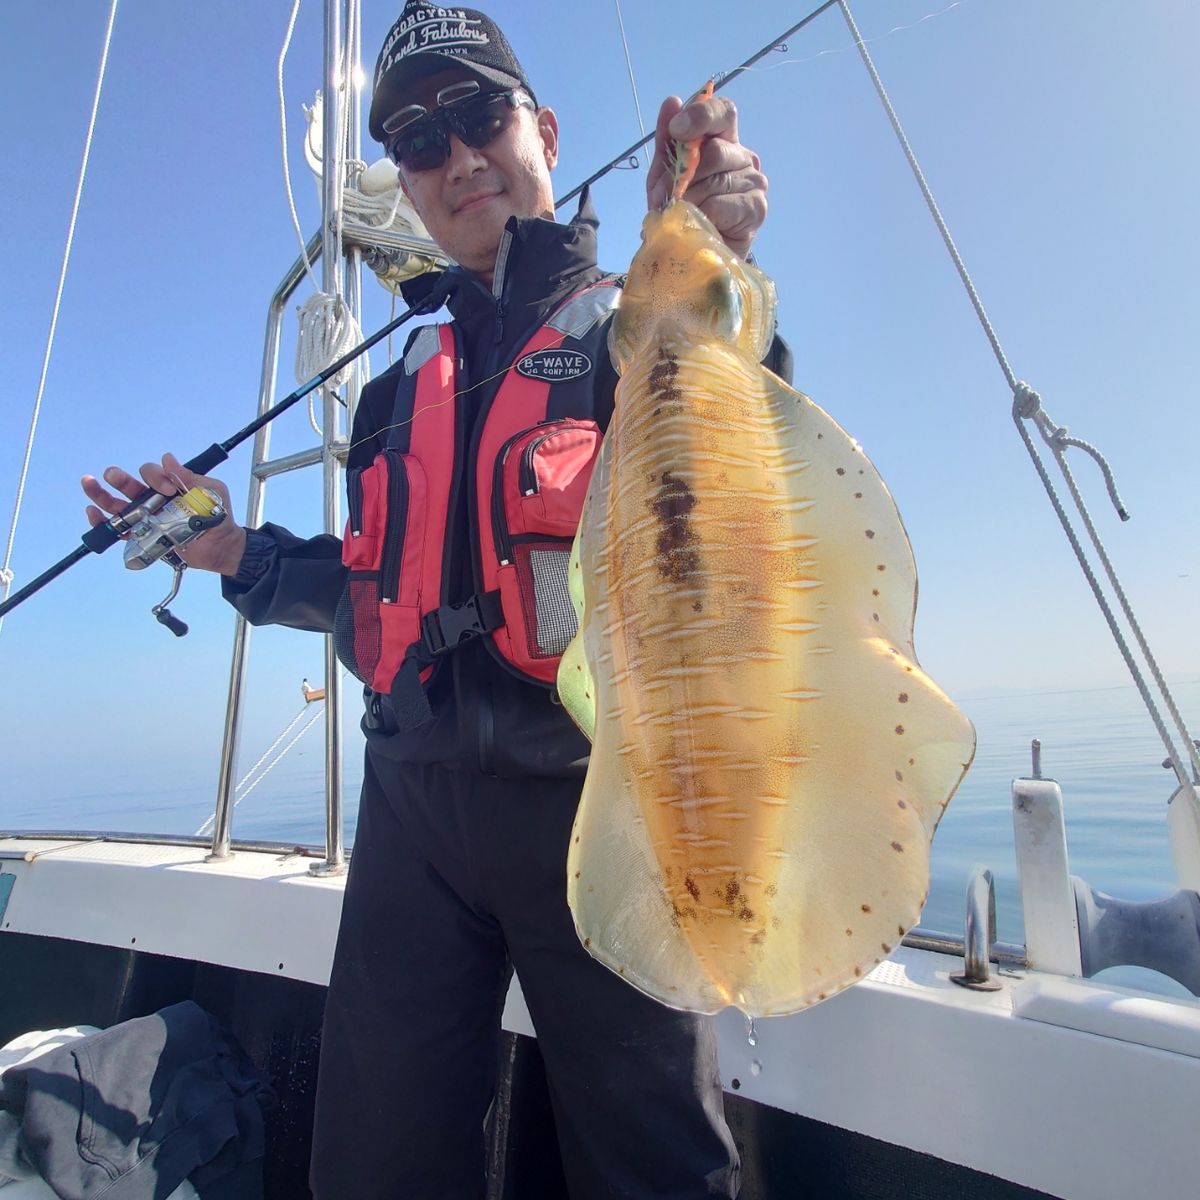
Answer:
(554, 366)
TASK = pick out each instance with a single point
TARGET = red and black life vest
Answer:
(530, 463)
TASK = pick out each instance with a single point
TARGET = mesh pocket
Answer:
(356, 636)
(550, 620)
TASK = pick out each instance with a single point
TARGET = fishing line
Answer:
(578, 329)
(879, 37)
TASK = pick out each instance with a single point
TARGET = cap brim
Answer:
(395, 89)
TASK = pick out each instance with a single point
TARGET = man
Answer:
(472, 770)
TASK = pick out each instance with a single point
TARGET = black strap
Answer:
(441, 631)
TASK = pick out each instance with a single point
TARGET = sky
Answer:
(1058, 136)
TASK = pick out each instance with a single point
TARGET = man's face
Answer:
(466, 202)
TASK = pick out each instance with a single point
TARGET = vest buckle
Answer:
(444, 628)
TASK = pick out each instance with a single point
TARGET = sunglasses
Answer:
(419, 140)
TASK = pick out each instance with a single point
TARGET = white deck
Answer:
(906, 1056)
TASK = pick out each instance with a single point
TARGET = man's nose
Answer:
(463, 162)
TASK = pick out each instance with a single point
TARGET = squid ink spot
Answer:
(820, 436)
(900, 729)
(693, 890)
(900, 930)
(858, 495)
(899, 777)
(736, 1084)
(823, 995)
(858, 972)
(874, 616)
(881, 567)
(841, 470)
(865, 907)
(849, 932)
(577, 874)
(912, 762)
(678, 559)
(870, 533)
(901, 804)
(587, 943)
(886, 948)
(903, 697)
(898, 848)
(874, 591)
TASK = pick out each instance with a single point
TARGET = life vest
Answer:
(530, 461)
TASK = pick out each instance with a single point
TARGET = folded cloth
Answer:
(21, 1049)
(132, 1112)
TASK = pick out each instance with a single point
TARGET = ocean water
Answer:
(1100, 745)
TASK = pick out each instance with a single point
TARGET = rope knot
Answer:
(6, 577)
(1026, 402)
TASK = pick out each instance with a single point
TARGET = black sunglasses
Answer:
(420, 140)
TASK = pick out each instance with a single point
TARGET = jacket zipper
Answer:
(354, 497)
(527, 477)
(500, 534)
(397, 523)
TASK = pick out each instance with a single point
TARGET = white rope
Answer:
(287, 175)
(206, 828)
(328, 329)
(6, 575)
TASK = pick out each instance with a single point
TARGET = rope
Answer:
(206, 828)
(327, 326)
(1027, 406)
(287, 175)
(637, 107)
(6, 575)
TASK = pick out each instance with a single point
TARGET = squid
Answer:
(769, 761)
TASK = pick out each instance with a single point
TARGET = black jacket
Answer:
(485, 719)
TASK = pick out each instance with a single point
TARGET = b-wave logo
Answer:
(554, 366)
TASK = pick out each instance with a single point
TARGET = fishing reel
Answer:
(157, 528)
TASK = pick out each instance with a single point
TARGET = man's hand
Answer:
(218, 549)
(729, 187)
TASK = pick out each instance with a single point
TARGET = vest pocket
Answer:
(377, 617)
(538, 487)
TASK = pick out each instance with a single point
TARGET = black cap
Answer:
(426, 39)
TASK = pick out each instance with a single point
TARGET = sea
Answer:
(1099, 744)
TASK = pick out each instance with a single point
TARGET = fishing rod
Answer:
(719, 81)
(156, 526)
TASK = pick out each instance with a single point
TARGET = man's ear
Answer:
(547, 124)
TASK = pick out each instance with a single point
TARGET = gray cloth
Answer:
(130, 1113)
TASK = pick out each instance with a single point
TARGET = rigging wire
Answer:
(1027, 406)
(6, 575)
(637, 106)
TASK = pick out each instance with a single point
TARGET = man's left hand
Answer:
(729, 187)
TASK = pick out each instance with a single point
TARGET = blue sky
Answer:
(1059, 136)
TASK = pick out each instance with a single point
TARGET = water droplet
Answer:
(751, 1032)
(756, 1067)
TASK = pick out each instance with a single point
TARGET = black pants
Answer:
(454, 879)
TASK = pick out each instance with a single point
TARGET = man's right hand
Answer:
(219, 549)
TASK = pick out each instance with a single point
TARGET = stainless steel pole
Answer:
(223, 819)
(331, 282)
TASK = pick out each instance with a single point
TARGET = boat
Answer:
(965, 1065)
